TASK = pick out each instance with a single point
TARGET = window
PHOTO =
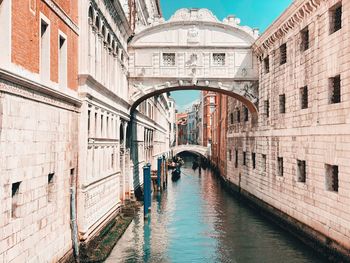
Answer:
(244, 158)
(169, 59)
(335, 91)
(335, 18)
(219, 59)
(101, 126)
(95, 124)
(332, 181)
(44, 50)
(301, 171)
(267, 64)
(236, 158)
(280, 166)
(50, 187)
(89, 119)
(267, 108)
(15, 196)
(246, 113)
(304, 97)
(112, 160)
(283, 54)
(263, 164)
(62, 60)
(305, 42)
(282, 100)
(230, 155)
(253, 160)
(238, 115)
(231, 118)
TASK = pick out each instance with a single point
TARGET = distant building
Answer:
(181, 134)
(206, 108)
(192, 129)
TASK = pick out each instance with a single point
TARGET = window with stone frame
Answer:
(238, 115)
(244, 158)
(267, 64)
(231, 118)
(263, 162)
(169, 59)
(335, 18)
(301, 171)
(44, 49)
(230, 155)
(236, 158)
(305, 39)
(332, 177)
(253, 160)
(50, 187)
(15, 192)
(280, 166)
(219, 59)
(304, 97)
(245, 114)
(335, 90)
(282, 103)
(283, 54)
(267, 108)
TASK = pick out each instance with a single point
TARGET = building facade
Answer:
(294, 156)
(181, 128)
(192, 121)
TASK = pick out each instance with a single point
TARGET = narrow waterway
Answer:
(195, 220)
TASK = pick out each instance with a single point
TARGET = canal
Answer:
(196, 220)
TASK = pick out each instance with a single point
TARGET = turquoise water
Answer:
(195, 220)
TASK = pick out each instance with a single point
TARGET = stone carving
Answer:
(193, 35)
(193, 14)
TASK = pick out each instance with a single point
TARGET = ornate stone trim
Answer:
(69, 22)
(18, 86)
(266, 42)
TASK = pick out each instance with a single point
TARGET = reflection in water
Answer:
(195, 220)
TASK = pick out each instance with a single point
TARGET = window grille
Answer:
(332, 180)
(267, 64)
(238, 116)
(301, 171)
(304, 97)
(244, 158)
(305, 42)
(283, 54)
(336, 18)
(219, 59)
(231, 118)
(267, 108)
(168, 59)
(335, 90)
(280, 166)
(282, 100)
(230, 155)
(236, 158)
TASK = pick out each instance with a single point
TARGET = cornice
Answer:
(291, 17)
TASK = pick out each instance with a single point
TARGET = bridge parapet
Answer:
(201, 150)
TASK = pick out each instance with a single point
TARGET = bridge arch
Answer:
(198, 149)
(194, 50)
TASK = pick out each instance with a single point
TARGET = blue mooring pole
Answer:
(146, 189)
(159, 172)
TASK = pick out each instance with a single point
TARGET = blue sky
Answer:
(254, 13)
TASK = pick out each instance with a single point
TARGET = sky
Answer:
(254, 13)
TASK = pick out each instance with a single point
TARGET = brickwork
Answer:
(319, 134)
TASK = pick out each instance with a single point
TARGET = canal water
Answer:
(196, 220)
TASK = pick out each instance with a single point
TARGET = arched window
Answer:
(97, 23)
(103, 32)
(91, 15)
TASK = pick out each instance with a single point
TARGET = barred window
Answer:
(267, 64)
(283, 54)
(335, 90)
(280, 166)
(301, 171)
(332, 180)
(282, 100)
(236, 158)
(231, 118)
(304, 97)
(230, 155)
(305, 42)
(267, 108)
(238, 116)
(219, 59)
(168, 59)
(244, 158)
(335, 18)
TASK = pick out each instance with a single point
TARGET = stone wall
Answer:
(38, 152)
(317, 194)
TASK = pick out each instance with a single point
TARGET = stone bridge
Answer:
(197, 149)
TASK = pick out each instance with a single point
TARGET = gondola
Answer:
(195, 165)
(176, 174)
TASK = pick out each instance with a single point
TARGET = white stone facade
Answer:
(295, 128)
